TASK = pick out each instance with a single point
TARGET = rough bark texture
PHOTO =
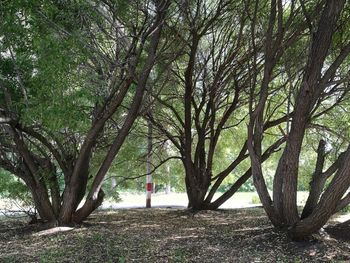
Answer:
(309, 92)
(41, 201)
(317, 183)
(328, 203)
(282, 211)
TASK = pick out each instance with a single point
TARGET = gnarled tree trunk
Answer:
(282, 211)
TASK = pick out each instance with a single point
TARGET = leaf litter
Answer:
(167, 235)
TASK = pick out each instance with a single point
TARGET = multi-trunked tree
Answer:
(117, 52)
(321, 78)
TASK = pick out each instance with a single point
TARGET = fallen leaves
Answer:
(165, 235)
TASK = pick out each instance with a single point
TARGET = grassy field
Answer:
(138, 200)
(166, 235)
(239, 200)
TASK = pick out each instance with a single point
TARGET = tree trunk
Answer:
(168, 188)
(196, 199)
(229, 193)
(343, 203)
(196, 191)
(90, 205)
(55, 196)
(113, 183)
(328, 202)
(168, 181)
(317, 183)
(73, 194)
(286, 176)
(41, 200)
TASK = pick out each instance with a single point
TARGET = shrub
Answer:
(255, 200)
(345, 210)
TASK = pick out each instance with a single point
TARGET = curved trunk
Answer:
(73, 194)
(90, 205)
(317, 183)
(230, 192)
(328, 203)
(41, 200)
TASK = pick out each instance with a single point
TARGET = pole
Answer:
(168, 177)
(149, 184)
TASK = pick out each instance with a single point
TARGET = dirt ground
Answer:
(166, 235)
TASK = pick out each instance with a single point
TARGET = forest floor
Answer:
(166, 235)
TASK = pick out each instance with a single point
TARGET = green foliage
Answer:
(46, 61)
(112, 193)
(14, 189)
(345, 210)
(247, 186)
(255, 200)
(51, 85)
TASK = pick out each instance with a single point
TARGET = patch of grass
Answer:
(179, 255)
(51, 255)
(121, 259)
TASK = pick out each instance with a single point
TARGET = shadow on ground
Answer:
(166, 235)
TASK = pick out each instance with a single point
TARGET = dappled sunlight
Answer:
(238, 235)
(53, 230)
(149, 226)
(182, 237)
(228, 120)
(340, 218)
(252, 229)
(242, 235)
(194, 229)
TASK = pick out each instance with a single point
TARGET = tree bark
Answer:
(196, 195)
(89, 206)
(287, 169)
(41, 200)
(317, 183)
(327, 205)
(73, 194)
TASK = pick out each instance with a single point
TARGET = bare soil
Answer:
(166, 235)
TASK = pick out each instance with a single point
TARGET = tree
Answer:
(322, 83)
(205, 100)
(117, 54)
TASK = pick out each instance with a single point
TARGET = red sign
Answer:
(149, 187)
